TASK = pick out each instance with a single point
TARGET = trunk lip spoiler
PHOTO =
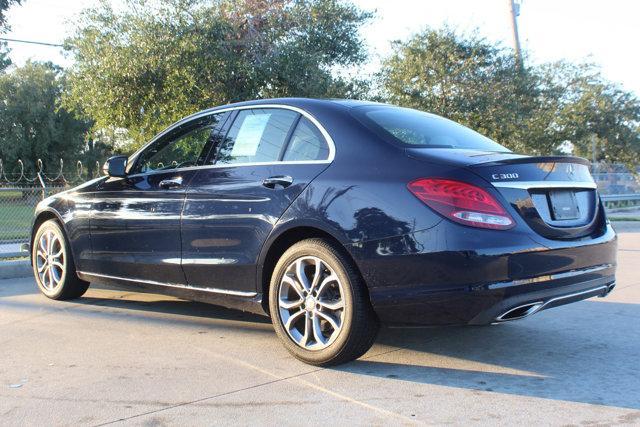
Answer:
(535, 159)
(526, 185)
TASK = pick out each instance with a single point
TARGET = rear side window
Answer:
(418, 129)
(256, 136)
(307, 143)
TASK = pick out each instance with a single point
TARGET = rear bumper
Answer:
(526, 304)
(452, 274)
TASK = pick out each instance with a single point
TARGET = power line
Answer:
(30, 42)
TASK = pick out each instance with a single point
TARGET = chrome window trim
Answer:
(172, 285)
(317, 124)
(526, 185)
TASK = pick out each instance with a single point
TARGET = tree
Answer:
(32, 126)
(158, 61)
(468, 80)
(4, 5)
(589, 107)
(534, 109)
(5, 61)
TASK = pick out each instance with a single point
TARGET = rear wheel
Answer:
(319, 305)
(53, 265)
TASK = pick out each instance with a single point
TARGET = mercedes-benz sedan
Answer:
(331, 217)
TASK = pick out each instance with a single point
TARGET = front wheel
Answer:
(53, 265)
(319, 305)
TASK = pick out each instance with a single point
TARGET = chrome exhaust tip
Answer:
(610, 288)
(526, 310)
(520, 312)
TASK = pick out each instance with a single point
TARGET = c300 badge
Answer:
(498, 176)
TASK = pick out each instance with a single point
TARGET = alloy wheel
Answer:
(50, 260)
(311, 303)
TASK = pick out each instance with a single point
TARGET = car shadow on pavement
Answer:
(134, 306)
(587, 353)
(176, 307)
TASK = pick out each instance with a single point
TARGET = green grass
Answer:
(10, 195)
(15, 219)
(624, 218)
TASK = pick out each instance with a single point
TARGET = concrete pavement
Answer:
(143, 359)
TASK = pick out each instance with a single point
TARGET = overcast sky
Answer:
(604, 32)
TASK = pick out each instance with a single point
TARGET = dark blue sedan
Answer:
(331, 217)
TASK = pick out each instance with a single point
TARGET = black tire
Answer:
(55, 282)
(359, 324)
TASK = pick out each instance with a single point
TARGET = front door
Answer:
(265, 160)
(135, 221)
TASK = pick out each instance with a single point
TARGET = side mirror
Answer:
(115, 166)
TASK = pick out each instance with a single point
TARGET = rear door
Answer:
(261, 164)
(556, 196)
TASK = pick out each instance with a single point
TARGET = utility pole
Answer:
(515, 12)
(594, 157)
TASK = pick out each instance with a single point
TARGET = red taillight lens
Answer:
(461, 202)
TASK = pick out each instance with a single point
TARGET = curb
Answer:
(15, 269)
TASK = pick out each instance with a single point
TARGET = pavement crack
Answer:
(276, 380)
(191, 402)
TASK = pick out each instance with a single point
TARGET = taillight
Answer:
(461, 202)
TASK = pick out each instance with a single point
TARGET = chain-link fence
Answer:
(619, 188)
(20, 192)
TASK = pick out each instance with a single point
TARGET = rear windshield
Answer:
(417, 129)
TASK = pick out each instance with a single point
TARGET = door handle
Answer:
(272, 181)
(171, 183)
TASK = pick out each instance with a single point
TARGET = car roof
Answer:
(308, 104)
(313, 106)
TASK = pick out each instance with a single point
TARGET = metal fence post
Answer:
(44, 187)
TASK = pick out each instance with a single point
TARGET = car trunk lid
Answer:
(555, 195)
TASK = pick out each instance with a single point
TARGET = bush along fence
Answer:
(20, 192)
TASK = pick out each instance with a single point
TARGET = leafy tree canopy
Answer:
(4, 5)
(32, 126)
(5, 61)
(475, 82)
(156, 61)
(589, 108)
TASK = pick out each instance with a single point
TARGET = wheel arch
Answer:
(279, 243)
(40, 218)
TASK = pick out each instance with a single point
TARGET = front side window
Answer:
(256, 136)
(184, 147)
(307, 143)
(415, 128)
